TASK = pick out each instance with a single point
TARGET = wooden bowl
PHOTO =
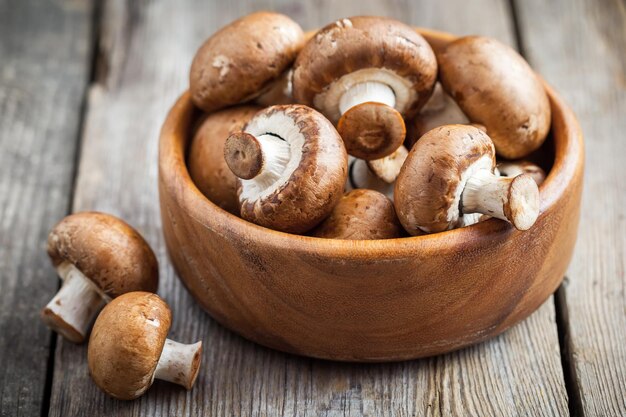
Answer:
(381, 300)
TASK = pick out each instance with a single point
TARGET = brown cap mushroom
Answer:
(361, 215)
(515, 168)
(98, 257)
(495, 87)
(206, 156)
(128, 348)
(449, 173)
(292, 167)
(366, 73)
(242, 60)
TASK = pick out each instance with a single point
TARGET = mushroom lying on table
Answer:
(378, 174)
(242, 60)
(292, 167)
(495, 87)
(361, 215)
(449, 173)
(366, 73)
(98, 257)
(128, 348)
(206, 162)
(515, 168)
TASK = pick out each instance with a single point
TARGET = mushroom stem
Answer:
(262, 159)
(74, 307)
(365, 92)
(360, 175)
(179, 363)
(512, 199)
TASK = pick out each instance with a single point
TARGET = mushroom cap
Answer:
(313, 179)
(361, 214)
(107, 251)
(206, 156)
(429, 186)
(364, 48)
(126, 343)
(371, 130)
(241, 60)
(495, 86)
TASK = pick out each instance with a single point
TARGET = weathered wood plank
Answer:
(44, 56)
(518, 373)
(583, 57)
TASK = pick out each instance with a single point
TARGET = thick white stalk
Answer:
(75, 306)
(513, 199)
(486, 193)
(369, 91)
(276, 154)
(179, 363)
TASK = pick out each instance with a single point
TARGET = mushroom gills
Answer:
(179, 363)
(281, 158)
(367, 92)
(276, 155)
(75, 305)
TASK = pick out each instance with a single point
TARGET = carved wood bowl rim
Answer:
(175, 181)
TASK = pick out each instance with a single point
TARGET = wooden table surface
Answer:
(84, 88)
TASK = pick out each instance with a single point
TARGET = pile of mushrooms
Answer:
(361, 131)
(357, 131)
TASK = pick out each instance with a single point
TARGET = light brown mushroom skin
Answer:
(206, 156)
(107, 250)
(126, 344)
(337, 49)
(514, 168)
(375, 130)
(314, 188)
(361, 215)
(495, 87)
(243, 59)
(426, 185)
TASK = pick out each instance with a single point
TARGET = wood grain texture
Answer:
(44, 68)
(143, 70)
(583, 56)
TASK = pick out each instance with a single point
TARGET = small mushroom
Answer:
(128, 348)
(206, 156)
(292, 166)
(515, 168)
(449, 173)
(242, 60)
(361, 215)
(495, 87)
(366, 73)
(98, 257)
(440, 110)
